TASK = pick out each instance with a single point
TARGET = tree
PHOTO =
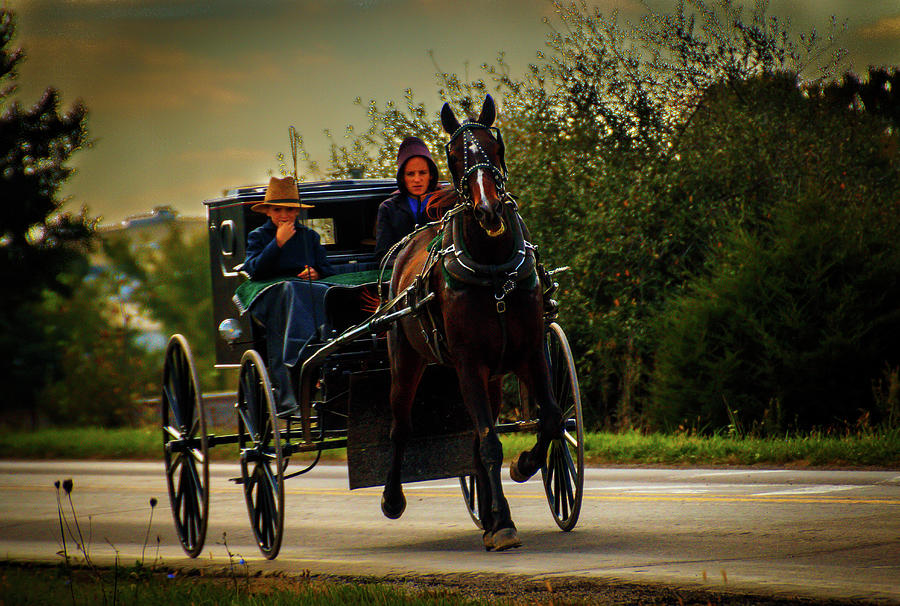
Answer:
(796, 317)
(103, 370)
(601, 141)
(39, 245)
(617, 177)
(170, 282)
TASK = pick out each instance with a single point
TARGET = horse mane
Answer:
(440, 202)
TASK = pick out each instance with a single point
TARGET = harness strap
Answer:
(462, 268)
(434, 338)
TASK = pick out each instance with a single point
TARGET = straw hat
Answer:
(281, 192)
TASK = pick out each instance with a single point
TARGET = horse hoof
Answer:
(390, 511)
(514, 472)
(505, 538)
(488, 540)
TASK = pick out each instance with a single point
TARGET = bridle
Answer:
(480, 159)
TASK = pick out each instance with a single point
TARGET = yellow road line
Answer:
(633, 497)
(636, 497)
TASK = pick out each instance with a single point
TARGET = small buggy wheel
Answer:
(472, 496)
(563, 471)
(261, 454)
(185, 446)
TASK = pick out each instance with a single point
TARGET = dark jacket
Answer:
(265, 260)
(395, 220)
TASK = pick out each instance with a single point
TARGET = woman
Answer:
(404, 211)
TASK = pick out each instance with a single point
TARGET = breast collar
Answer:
(502, 277)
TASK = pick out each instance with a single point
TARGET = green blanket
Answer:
(247, 292)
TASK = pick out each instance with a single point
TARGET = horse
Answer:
(480, 312)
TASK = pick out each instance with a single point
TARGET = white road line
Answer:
(805, 490)
(737, 472)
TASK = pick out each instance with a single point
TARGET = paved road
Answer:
(778, 532)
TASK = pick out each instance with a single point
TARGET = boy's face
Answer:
(281, 214)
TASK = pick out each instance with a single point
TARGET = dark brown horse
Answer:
(485, 321)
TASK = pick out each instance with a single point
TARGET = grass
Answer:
(139, 586)
(873, 448)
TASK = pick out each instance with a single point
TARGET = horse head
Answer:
(475, 157)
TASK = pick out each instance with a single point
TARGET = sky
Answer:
(188, 98)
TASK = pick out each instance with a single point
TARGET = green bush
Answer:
(797, 317)
(636, 151)
(103, 371)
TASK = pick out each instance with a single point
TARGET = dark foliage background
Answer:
(723, 192)
(660, 160)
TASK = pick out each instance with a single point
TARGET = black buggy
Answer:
(344, 385)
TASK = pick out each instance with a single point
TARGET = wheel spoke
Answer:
(179, 376)
(565, 483)
(257, 502)
(178, 485)
(557, 483)
(267, 489)
(195, 479)
(192, 516)
(272, 480)
(249, 411)
(567, 470)
(571, 439)
(184, 498)
(169, 398)
(548, 479)
(565, 391)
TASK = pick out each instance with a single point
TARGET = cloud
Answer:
(134, 76)
(886, 28)
(225, 154)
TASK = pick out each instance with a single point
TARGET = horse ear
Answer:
(448, 119)
(488, 112)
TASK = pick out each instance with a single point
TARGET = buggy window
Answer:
(324, 226)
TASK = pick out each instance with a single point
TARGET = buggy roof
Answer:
(315, 192)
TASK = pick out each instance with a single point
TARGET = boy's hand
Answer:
(285, 231)
(309, 273)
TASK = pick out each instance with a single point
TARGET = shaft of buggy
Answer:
(377, 323)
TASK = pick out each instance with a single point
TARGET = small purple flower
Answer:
(171, 575)
(67, 485)
(153, 502)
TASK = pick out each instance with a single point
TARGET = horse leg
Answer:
(502, 530)
(537, 380)
(406, 372)
(484, 501)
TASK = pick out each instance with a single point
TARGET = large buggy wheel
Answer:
(185, 446)
(563, 471)
(261, 454)
(472, 495)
